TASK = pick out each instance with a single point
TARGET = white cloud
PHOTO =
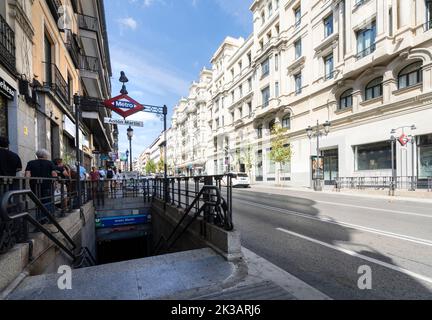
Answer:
(129, 23)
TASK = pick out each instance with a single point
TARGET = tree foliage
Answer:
(280, 150)
(150, 167)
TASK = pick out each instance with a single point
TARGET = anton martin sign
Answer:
(121, 122)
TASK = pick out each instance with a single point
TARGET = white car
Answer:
(239, 179)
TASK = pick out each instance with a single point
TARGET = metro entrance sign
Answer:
(122, 107)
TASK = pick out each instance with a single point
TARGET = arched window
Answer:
(286, 121)
(374, 89)
(410, 75)
(346, 99)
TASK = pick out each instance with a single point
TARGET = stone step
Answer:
(148, 278)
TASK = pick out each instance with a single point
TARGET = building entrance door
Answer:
(331, 166)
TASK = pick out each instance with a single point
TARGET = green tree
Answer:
(150, 167)
(248, 159)
(280, 149)
(160, 165)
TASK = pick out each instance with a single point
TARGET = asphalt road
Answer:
(324, 239)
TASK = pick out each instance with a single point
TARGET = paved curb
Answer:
(285, 190)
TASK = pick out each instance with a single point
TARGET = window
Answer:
(374, 89)
(249, 108)
(232, 116)
(298, 49)
(250, 84)
(265, 68)
(240, 65)
(425, 156)
(410, 75)
(270, 9)
(48, 59)
(241, 91)
(259, 131)
(328, 26)
(346, 99)
(298, 83)
(428, 24)
(276, 62)
(297, 16)
(286, 121)
(271, 126)
(366, 41)
(374, 156)
(265, 96)
(328, 63)
(276, 89)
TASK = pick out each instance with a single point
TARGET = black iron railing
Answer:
(7, 46)
(55, 82)
(366, 52)
(73, 48)
(88, 22)
(384, 182)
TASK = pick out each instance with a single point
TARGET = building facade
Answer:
(363, 66)
(51, 50)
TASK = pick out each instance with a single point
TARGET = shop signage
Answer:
(317, 165)
(6, 89)
(121, 122)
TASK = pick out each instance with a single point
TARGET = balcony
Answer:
(7, 46)
(73, 48)
(55, 82)
(89, 63)
(87, 22)
(366, 52)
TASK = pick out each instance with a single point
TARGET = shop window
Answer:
(374, 156)
(425, 156)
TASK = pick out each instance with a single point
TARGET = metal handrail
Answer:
(219, 203)
(5, 216)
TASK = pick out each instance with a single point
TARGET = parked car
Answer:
(239, 179)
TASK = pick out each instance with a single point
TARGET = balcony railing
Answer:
(73, 48)
(55, 82)
(329, 75)
(427, 26)
(88, 22)
(7, 45)
(366, 52)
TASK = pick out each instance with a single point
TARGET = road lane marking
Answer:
(376, 209)
(344, 224)
(361, 256)
(362, 207)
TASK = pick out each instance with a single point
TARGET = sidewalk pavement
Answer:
(413, 196)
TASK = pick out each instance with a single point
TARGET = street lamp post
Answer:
(318, 133)
(130, 135)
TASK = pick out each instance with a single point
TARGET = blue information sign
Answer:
(107, 222)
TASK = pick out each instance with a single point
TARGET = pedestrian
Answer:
(45, 169)
(60, 191)
(95, 177)
(10, 162)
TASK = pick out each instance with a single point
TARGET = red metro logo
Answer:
(124, 105)
(403, 140)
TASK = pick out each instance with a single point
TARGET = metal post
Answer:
(413, 186)
(165, 111)
(392, 185)
(130, 154)
(77, 100)
(317, 180)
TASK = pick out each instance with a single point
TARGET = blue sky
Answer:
(162, 45)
